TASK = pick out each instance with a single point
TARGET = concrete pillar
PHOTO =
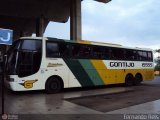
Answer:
(40, 26)
(75, 20)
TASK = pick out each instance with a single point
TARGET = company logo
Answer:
(54, 64)
(28, 84)
(121, 64)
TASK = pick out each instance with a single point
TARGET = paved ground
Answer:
(109, 102)
(32, 104)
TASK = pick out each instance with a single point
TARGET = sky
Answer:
(134, 23)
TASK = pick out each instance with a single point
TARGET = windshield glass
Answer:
(32, 45)
(12, 60)
(25, 57)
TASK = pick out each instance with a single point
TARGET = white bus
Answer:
(51, 64)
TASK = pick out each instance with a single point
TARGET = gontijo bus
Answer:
(36, 63)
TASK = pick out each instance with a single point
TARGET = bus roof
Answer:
(87, 42)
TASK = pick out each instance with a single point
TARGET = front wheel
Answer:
(53, 85)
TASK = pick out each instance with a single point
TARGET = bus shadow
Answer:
(65, 90)
(79, 89)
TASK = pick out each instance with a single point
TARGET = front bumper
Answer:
(10, 85)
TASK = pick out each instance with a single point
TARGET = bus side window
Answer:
(117, 54)
(107, 53)
(112, 56)
(85, 51)
(97, 52)
(52, 50)
(140, 55)
(135, 55)
(120, 53)
(75, 53)
(150, 58)
(130, 54)
(144, 56)
(64, 50)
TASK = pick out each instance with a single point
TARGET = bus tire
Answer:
(129, 80)
(53, 85)
(138, 79)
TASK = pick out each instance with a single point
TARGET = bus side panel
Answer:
(120, 75)
(91, 71)
(79, 72)
(108, 76)
(149, 73)
(58, 67)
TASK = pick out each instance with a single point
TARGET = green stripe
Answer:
(91, 71)
(79, 72)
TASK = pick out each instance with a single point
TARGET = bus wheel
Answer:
(138, 79)
(53, 85)
(129, 80)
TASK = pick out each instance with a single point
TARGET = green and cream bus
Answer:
(51, 64)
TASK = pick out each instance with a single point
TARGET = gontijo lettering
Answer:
(121, 64)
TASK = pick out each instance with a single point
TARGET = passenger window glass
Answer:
(52, 50)
(97, 52)
(140, 54)
(144, 56)
(75, 51)
(117, 54)
(130, 54)
(150, 56)
(64, 50)
(84, 51)
(107, 53)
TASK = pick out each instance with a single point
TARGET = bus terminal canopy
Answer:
(22, 14)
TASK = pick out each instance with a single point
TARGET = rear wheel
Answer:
(53, 85)
(138, 79)
(129, 80)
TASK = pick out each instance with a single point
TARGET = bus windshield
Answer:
(24, 57)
